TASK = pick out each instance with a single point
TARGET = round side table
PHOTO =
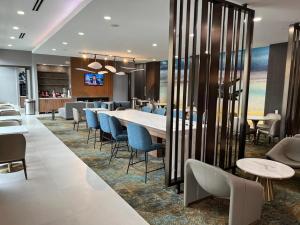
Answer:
(266, 171)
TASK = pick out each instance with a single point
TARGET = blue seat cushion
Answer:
(122, 137)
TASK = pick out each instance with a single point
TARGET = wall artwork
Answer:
(258, 80)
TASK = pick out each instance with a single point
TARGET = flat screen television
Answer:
(92, 79)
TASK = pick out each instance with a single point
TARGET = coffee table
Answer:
(265, 171)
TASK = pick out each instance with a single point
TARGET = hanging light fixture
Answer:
(121, 73)
(102, 72)
(111, 68)
(95, 65)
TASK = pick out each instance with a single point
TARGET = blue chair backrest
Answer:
(115, 126)
(160, 111)
(180, 114)
(146, 109)
(138, 137)
(97, 104)
(91, 119)
(104, 122)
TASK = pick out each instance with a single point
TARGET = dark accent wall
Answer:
(146, 83)
(275, 77)
(153, 80)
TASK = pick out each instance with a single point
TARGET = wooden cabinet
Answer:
(49, 104)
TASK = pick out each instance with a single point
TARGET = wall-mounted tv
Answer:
(92, 79)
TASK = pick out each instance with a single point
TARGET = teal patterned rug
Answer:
(160, 205)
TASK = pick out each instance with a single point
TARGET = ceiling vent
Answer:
(21, 36)
(37, 5)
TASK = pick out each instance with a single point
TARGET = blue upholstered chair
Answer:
(160, 111)
(180, 114)
(93, 124)
(97, 104)
(139, 140)
(105, 129)
(118, 134)
(146, 109)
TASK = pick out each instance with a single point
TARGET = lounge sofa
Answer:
(66, 112)
(114, 105)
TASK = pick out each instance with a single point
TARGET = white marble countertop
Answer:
(265, 168)
(13, 130)
(60, 190)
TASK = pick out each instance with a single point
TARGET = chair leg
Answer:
(130, 159)
(95, 135)
(77, 126)
(146, 166)
(74, 123)
(24, 167)
(88, 136)
(112, 152)
(101, 139)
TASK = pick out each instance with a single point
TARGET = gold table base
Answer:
(268, 188)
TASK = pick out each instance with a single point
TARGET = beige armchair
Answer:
(268, 123)
(272, 132)
(246, 197)
(287, 151)
(6, 107)
(7, 123)
(10, 113)
(78, 118)
(12, 149)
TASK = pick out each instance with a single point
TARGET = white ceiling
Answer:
(142, 23)
(38, 26)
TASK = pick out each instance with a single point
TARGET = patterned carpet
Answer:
(160, 205)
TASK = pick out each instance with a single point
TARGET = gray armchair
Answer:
(12, 149)
(287, 151)
(66, 112)
(272, 132)
(78, 118)
(268, 123)
(6, 107)
(246, 197)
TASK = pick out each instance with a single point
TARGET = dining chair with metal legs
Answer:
(105, 130)
(139, 140)
(93, 124)
(118, 134)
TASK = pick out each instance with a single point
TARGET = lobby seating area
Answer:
(161, 112)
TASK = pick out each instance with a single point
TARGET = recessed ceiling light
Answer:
(64, 43)
(115, 25)
(125, 60)
(53, 49)
(257, 19)
(191, 35)
(129, 51)
(20, 12)
(105, 58)
(154, 45)
(110, 55)
(107, 17)
(153, 60)
(84, 56)
(80, 33)
(15, 28)
(12, 37)
(9, 45)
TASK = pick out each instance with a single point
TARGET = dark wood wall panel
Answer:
(152, 80)
(140, 82)
(77, 81)
(275, 79)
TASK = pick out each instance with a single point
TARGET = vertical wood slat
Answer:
(171, 79)
(192, 79)
(246, 80)
(186, 63)
(213, 83)
(226, 87)
(202, 78)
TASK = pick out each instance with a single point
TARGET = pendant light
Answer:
(111, 68)
(95, 65)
